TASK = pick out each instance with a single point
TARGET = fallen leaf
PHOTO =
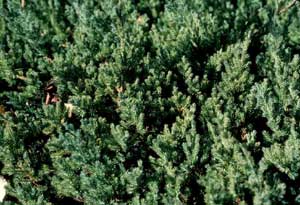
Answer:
(47, 99)
(140, 20)
(3, 183)
(119, 89)
(50, 86)
(22, 3)
(51, 96)
(69, 107)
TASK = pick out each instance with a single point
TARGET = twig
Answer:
(288, 6)
(81, 200)
(32, 180)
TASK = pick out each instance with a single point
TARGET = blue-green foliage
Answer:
(160, 101)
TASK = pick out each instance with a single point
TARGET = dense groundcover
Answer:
(150, 101)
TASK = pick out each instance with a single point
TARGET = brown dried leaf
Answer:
(55, 99)
(2, 109)
(244, 134)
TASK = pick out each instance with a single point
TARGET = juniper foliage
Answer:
(169, 102)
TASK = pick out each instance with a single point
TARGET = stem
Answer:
(288, 6)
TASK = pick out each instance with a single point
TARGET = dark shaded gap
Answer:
(154, 118)
(248, 196)
(107, 109)
(65, 200)
(234, 4)
(37, 152)
(292, 186)
(191, 188)
(9, 198)
(254, 50)
(259, 124)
